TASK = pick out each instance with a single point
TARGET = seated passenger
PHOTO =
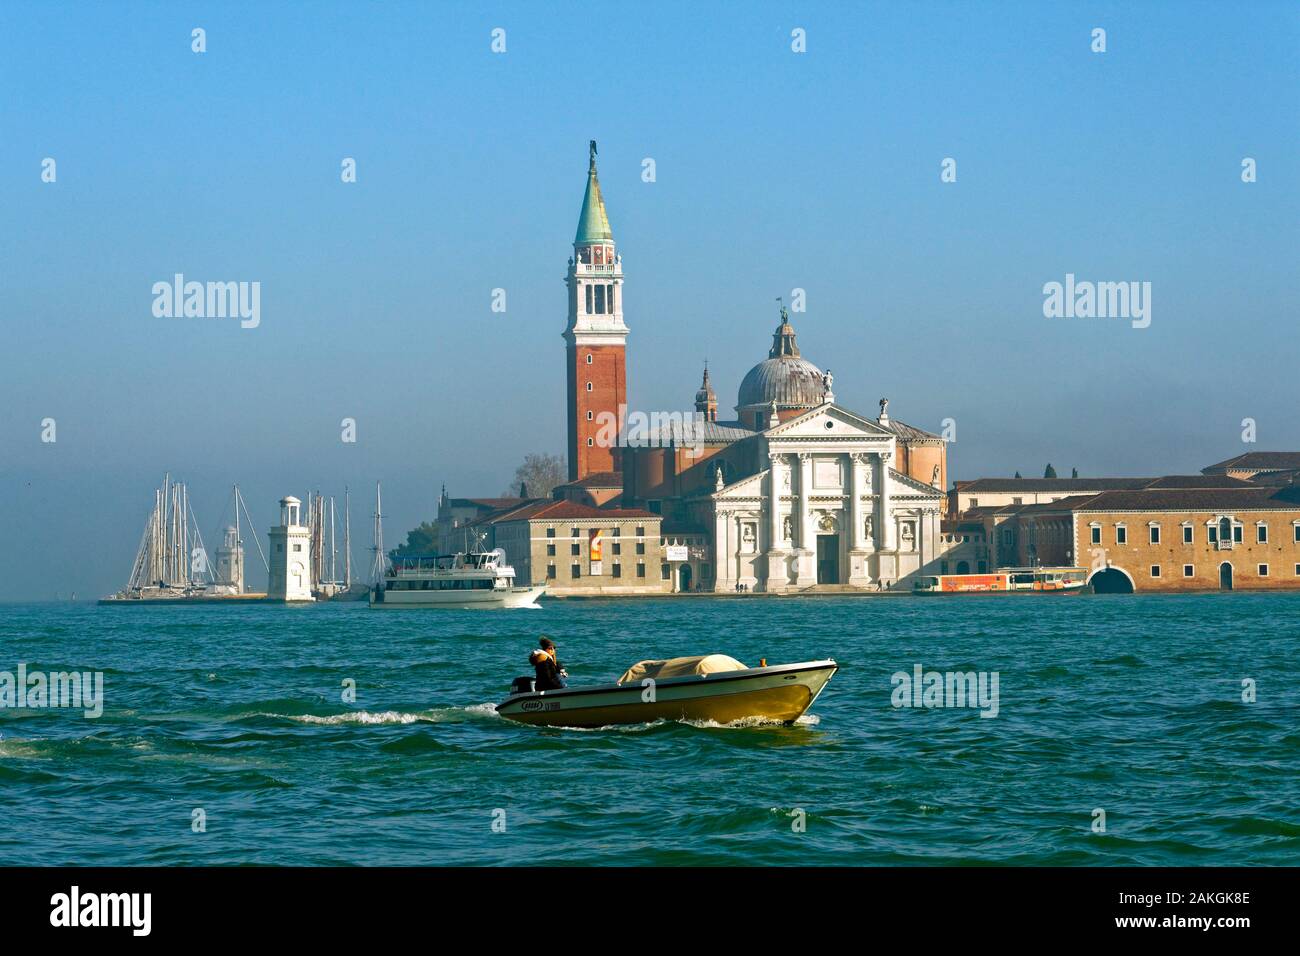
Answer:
(546, 662)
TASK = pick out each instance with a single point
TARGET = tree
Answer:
(1017, 474)
(421, 540)
(539, 474)
(1050, 472)
(1074, 472)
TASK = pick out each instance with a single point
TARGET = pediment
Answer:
(828, 422)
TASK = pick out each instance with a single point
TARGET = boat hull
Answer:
(781, 693)
(464, 600)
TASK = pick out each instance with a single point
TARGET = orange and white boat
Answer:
(1006, 581)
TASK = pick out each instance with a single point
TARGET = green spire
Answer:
(593, 224)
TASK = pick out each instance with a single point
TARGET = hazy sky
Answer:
(775, 170)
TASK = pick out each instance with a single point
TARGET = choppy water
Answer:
(1130, 704)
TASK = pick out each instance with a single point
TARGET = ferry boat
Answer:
(1006, 580)
(465, 580)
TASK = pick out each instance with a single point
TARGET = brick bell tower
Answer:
(596, 339)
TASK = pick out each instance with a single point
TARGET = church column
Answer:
(888, 561)
(774, 539)
(886, 533)
(724, 560)
(807, 532)
(859, 539)
(777, 576)
(859, 570)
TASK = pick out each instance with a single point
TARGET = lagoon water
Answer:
(1129, 704)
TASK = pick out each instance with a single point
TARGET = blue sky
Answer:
(775, 171)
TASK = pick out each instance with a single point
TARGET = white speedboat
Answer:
(715, 688)
(466, 580)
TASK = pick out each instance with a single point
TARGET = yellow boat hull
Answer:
(779, 694)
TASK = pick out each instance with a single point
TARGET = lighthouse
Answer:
(290, 574)
(230, 562)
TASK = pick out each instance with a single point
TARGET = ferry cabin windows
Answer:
(432, 584)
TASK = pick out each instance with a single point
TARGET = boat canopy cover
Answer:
(680, 667)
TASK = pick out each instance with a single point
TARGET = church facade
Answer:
(798, 491)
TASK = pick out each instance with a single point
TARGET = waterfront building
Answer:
(797, 491)
(1162, 538)
(289, 577)
(1257, 465)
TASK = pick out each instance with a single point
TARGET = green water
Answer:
(1130, 704)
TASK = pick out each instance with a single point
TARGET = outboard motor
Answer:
(523, 685)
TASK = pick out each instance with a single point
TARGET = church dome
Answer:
(784, 377)
(789, 381)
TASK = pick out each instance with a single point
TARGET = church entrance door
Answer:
(828, 559)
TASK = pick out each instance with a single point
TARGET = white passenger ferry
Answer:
(466, 580)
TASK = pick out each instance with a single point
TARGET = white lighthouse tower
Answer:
(290, 574)
(230, 562)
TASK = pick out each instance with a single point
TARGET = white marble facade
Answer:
(828, 510)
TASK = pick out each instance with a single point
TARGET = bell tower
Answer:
(596, 339)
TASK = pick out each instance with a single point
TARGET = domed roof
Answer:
(784, 377)
(788, 381)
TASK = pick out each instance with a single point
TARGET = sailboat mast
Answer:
(334, 551)
(347, 538)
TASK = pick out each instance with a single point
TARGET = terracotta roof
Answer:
(549, 510)
(1208, 499)
(1270, 460)
(1077, 485)
(1064, 485)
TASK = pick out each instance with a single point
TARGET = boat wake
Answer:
(437, 715)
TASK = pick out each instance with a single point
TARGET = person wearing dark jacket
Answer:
(546, 663)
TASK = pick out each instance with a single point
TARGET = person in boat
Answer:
(546, 663)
